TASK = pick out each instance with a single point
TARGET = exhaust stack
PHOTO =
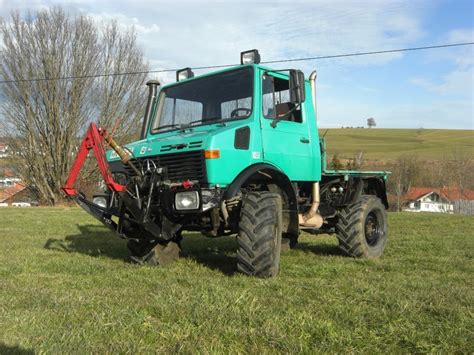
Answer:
(312, 217)
(152, 90)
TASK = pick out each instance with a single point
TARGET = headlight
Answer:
(188, 200)
(100, 201)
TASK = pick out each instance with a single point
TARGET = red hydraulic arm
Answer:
(94, 140)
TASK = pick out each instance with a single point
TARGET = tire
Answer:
(146, 253)
(361, 228)
(260, 232)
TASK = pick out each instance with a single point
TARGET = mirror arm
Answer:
(276, 120)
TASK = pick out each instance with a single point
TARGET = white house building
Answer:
(8, 182)
(425, 199)
(3, 150)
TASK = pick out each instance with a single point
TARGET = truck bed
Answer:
(356, 173)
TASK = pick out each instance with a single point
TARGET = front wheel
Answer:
(260, 232)
(361, 228)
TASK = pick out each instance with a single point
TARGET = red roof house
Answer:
(10, 194)
(429, 199)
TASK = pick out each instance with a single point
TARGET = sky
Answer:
(423, 89)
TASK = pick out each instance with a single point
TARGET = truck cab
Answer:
(239, 117)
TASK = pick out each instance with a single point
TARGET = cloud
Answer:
(196, 33)
(461, 35)
(215, 32)
(125, 22)
(457, 82)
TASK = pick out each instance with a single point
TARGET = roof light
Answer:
(250, 57)
(184, 74)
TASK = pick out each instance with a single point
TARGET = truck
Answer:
(235, 152)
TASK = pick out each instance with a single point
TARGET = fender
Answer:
(379, 187)
(276, 181)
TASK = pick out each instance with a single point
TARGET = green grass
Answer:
(388, 144)
(65, 286)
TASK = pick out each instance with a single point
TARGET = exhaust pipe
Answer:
(153, 88)
(312, 217)
(312, 83)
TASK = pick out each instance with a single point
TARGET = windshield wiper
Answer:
(207, 120)
(174, 125)
(183, 126)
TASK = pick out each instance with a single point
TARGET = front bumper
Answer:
(157, 216)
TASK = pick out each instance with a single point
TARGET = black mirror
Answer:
(297, 92)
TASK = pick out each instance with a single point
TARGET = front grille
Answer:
(191, 145)
(179, 166)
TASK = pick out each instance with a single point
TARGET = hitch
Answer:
(94, 140)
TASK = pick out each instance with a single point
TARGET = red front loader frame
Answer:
(94, 139)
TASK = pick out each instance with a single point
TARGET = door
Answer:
(286, 140)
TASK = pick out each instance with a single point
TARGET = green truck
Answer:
(233, 152)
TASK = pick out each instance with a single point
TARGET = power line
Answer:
(356, 54)
(371, 53)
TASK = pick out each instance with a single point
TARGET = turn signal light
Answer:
(212, 154)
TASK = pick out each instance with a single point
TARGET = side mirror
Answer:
(297, 91)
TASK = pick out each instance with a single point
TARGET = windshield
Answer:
(206, 100)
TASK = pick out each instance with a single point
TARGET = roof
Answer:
(230, 68)
(449, 193)
(7, 172)
(11, 191)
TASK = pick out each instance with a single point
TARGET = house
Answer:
(3, 150)
(441, 200)
(18, 194)
(8, 182)
(8, 177)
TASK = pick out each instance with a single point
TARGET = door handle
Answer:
(304, 140)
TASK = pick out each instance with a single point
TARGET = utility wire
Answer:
(229, 65)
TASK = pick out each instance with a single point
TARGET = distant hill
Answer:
(388, 144)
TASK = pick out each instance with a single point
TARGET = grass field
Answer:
(65, 287)
(388, 144)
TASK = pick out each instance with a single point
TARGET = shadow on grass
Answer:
(15, 349)
(93, 240)
(321, 249)
(215, 253)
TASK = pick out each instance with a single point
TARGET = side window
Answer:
(276, 100)
(268, 97)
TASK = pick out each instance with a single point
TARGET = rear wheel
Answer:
(260, 231)
(362, 228)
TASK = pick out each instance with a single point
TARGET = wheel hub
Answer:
(373, 230)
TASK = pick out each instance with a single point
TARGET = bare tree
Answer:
(405, 172)
(371, 122)
(336, 163)
(45, 118)
(356, 162)
(461, 169)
